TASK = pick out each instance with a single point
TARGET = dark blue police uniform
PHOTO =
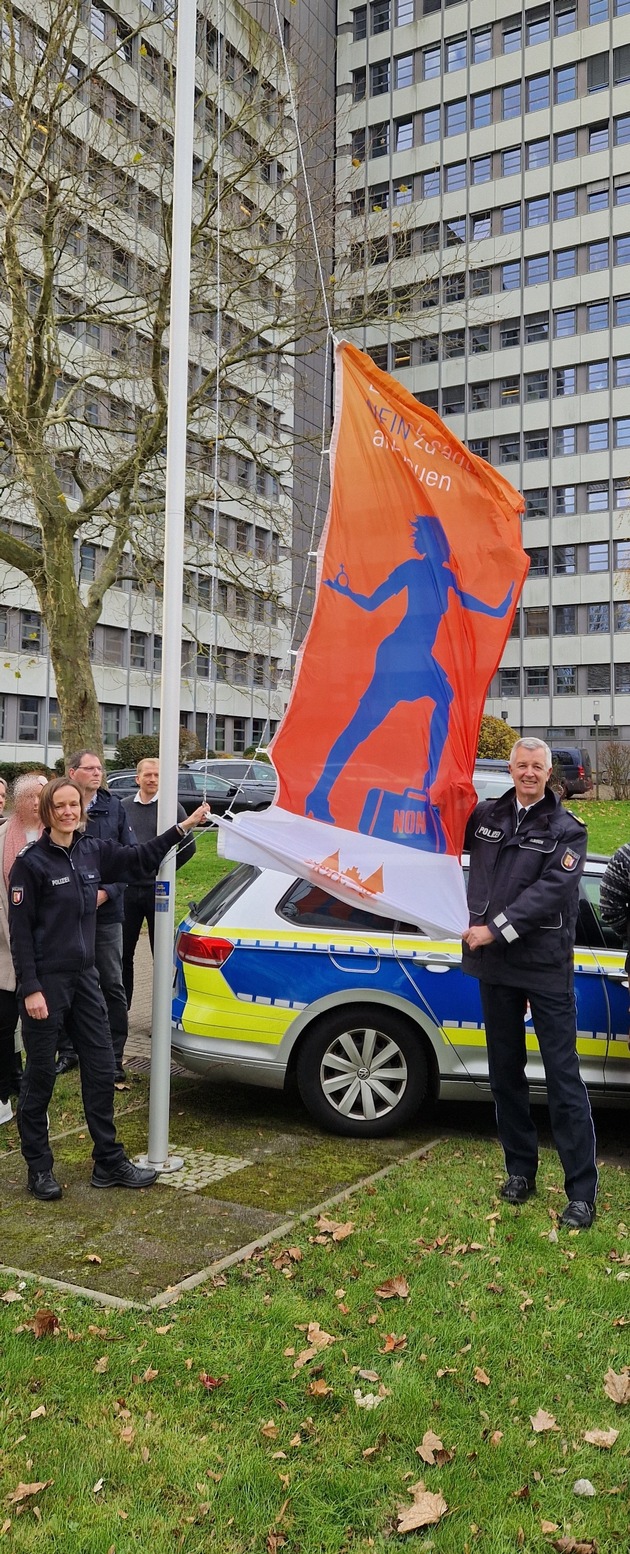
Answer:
(52, 921)
(525, 869)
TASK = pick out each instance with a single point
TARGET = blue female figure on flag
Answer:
(405, 668)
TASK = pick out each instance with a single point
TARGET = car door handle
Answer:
(438, 965)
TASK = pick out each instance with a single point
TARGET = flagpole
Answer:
(159, 1097)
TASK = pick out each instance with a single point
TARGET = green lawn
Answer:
(118, 1418)
(196, 878)
(608, 822)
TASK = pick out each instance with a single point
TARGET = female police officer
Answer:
(53, 888)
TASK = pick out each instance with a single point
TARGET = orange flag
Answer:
(419, 572)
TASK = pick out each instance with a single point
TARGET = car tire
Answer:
(369, 1038)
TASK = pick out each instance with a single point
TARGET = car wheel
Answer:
(362, 1072)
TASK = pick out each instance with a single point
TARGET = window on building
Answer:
(565, 322)
(621, 127)
(622, 432)
(481, 169)
(404, 70)
(565, 680)
(622, 555)
(565, 83)
(536, 445)
(511, 100)
(536, 682)
(537, 622)
(481, 109)
(622, 193)
(564, 560)
(597, 438)
(380, 16)
(537, 385)
(537, 502)
(453, 402)
(621, 64)
(509, 333)
(481, 45)
(359, 23)
(565, 146)
(621, 491)
(358, 84)
(565, 263)
(379, 140)
(622, 619)
(538, 564)
(510, 449)
(597, 12)
(597, 256)
(403, 135)
(537, 25)
(622, 679)
(113, 646)
(431, 183)
(511, 161)
(565, 620)
(511, 275)
(598, 137)
(537, 270)
(453, 288)
(565, 20)
(622, 249)
(565, 202)
(479, 339)
(564, 500)
(510, 391)
(28, 719)
(564, 382)
(509, 682)
(480, 225)
(598, 679)
(454, 342)
(598, 618)
(480, 283)
(512, 37)
(597, 495)
(537, 211)
(455, 117)
(30, 631)
(597, 556)
(536, 328)
(511, 218)
(456, 53)
(431, 62)
(138, 649)
(621, 308)
(111, 722)
(537, 153)
(564, 440)
(379, 78)
(596, 316)
(480, 396)
(622, 371)
(455, 176)
(537, 92)
(429, 349)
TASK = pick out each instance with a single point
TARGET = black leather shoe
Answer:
(517, 1189)
(66, 1062)
(578, 1215)
(120, 1076)
(124, 1175)
(42, 1184)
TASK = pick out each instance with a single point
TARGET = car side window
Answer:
(590, 930)
(308, 905)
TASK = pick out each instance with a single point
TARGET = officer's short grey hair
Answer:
(529, 742)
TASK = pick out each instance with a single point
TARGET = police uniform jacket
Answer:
(52, 899)
(107, 819)
(524, 886)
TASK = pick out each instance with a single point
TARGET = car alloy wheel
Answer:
(363, 1072)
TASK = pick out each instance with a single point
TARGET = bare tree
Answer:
(86, 141)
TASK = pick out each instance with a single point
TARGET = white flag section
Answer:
(426, 889)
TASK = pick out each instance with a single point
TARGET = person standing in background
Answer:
(3, 800)
(19, 828)
(141, 813)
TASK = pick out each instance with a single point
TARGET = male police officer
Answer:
(526, 857)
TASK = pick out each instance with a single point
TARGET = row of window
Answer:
(563, 263)
(527, 447)
(565, 501)
(507, 102)
(570, 620)
(383, 14)
(22, 718)
(527, 157)
(513, 34)
(535, 387)
(566, 680)
(569, 560)
(535, 328)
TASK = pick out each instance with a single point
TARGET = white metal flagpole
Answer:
(159, 1099)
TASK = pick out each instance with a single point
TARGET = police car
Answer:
(278, 981)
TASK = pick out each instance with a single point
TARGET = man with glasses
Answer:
(107, 820)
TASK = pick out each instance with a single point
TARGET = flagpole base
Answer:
(172, 1163)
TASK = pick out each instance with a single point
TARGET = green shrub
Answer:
(495, 739)
(12, 769)
(134, 748)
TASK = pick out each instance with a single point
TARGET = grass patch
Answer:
(608, 822)
(144, 1456)
(196, 878)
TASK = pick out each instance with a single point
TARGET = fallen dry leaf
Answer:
(542, 1421)
(275, 1541)
(25, 1491)
(391, 1342)
(334, 1228)
(425, 1511)
(617, 1386)
(367, 1400)
(575, 1545)
(5, 1526)
(44, 1324)
(392, 1287)
(39, 1413)
(496, 1437)
(211, 1382)
(145, 1454)
(317, 1339)
(101, 1365)
(549, 1526)
(369, 1375)
(128, 1435)
(270, 1430)
(603, 1438)
(481, 1376)
(432, 1451)
(165, 1329)
(92, 1257)
(149, 1374)
(11, 1295)
(97, 1487)
(319, 1388)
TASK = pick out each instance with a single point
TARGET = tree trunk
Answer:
(68, 626)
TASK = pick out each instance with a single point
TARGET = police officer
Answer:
(526, 857)
(53, 891)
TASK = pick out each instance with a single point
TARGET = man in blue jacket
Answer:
(107, 820)
(526, 857)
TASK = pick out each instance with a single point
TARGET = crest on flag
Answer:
(419, 571)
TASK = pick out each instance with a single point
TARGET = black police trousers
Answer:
(75, 999)
(567, 1098)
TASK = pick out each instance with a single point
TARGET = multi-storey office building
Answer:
(117, 142)
(484, 178)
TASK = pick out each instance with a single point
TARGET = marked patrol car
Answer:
(276, 980)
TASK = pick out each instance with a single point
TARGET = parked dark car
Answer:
(254, 781)
(575, 766)
(192, 787)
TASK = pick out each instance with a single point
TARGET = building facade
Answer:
(116, 138)
(484, 189)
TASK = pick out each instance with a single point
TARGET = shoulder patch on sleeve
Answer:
(17, 895)
(569, 859)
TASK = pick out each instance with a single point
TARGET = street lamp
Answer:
(596, 722)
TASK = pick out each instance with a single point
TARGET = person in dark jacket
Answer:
(526, 857)
(53, 892)
(614, 897)
(141, 811)
(106, 818)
